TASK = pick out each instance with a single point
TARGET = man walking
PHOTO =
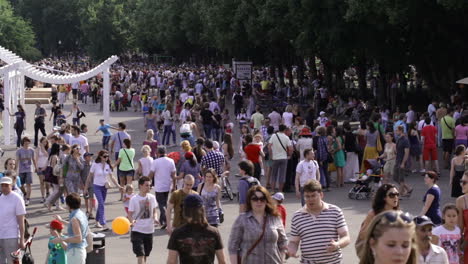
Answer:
(319, 228)
(429, 142)
(175, 203)
(117, 139)
(279, 147)
(212, 159)
(401, 162)
(11, 221)
(39, 117)
(306, 170)
(447, 123)
(142, 214)
(163, 172)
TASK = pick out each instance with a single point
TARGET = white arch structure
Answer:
(13, 82)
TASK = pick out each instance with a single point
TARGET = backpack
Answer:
(252, 181)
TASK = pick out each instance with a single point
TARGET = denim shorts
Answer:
(126, 173)
(25, 177)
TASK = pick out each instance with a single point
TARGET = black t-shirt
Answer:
(218, 118)
(207, 116)
(195, 244)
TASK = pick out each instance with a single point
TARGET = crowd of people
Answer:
(301, 147)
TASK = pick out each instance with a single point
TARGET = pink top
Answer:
(461, 132)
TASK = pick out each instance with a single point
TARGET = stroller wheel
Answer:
(351, 195)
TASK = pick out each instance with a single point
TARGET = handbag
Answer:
(239, 257)
(27, 256)
(49, 175)
(379, 144)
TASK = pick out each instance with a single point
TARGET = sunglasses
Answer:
(392, 216)
(258, 199)
(105, 156)
(393, 194)
(463, 182)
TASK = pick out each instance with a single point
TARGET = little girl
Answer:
(127, 196)
(448, 235)
(56, 252)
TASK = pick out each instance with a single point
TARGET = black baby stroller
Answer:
(368, 181)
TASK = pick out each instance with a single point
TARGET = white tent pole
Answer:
(7, 104)
(106, 95)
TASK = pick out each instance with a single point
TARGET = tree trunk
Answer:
(362, 74)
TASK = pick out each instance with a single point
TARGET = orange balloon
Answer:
(121, 225)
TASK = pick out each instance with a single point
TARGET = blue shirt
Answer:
(18, 180)
(434, 212)
(83, 219)
(105, 130)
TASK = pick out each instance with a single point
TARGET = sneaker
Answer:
(163, 226)
(26, 203)
(43, 200)
(422, 171)
(98, 225)
(414, 171)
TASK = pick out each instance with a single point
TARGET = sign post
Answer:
(243, 71)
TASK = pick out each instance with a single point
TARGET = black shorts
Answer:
(447, 145)
(142, 243)
(74, 91)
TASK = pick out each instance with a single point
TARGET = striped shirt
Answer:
(315, 233)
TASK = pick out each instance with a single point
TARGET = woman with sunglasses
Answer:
(75, 165)
(462, 205)
(99, 175)
(386, 199)
(431, 199)
(391, 238)
(258, 236)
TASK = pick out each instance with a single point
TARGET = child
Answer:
(56, 254)
(278, 198)
(127, 196)
(448, 235)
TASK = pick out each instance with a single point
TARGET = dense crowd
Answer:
(285, 145)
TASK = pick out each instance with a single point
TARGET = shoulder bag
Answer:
(239, 257)
(287, 154)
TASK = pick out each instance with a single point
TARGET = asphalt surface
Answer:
(118, 248)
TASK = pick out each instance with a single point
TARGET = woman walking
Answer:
(462, 205)
(20, 123)
(41, 157)
(457, 169)
(338, 154)
(351, 168)
(75, 164)
(99, 176)
(431, 199)
(415, 147)
(151, 142)
(168, 126)
(370, 151)
(388, 156)
(189, 166)
(260, 223)
(151, 123)
(211, 193)
(126, 168)
(144, 163)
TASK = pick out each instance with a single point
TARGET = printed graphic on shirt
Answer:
(145, 211)
(450, 243)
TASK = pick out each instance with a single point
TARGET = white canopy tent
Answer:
(13, 81)
(463, 81)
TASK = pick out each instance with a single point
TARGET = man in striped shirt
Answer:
(319, 228)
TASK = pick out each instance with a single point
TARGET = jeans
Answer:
(76, 121)
(216, 132)
(19, 132)
(324, 175)
(167, 133)
(105, 141)
(207, 129)
(38, 126)
(161, 198)
(100, 192)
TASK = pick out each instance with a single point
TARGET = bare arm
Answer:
(169, 208)
(452, 172)
(427, 204)
(405, 158)
(220, 256)
(77, 238)
(172, 257)
(20, 220)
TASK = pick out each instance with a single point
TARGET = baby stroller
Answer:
(368, 181)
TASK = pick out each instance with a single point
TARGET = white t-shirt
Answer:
(100, 173)
(422, 124)
(11, 205)
(322, 120)
(308, 171)
(288, 119)
(278, 150)
(81, 141)
(275, 119)
(142, 208)
(449, 241)
(146, 165)
(162, 168)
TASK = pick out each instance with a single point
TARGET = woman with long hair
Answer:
(199, 151)
(168, 126)
(389, 156)
(41, 156)
(151, 142)
(390, 238)
(370, 151)
(189, 166)
(338, 154)
(144, 163)
(457, 169)
(99, 175)
(461, 132)
(386, 199)
(75, 163)
(415, 146)
(261, 220)
(211, 194)
(20, 123)
(52, 160)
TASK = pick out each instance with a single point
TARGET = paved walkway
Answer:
(118, 248)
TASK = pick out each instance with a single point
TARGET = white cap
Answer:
(279, 196)
(322, 112)
(6, 180)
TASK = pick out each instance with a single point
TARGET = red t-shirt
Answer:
(252, 152)
(282, 212)
(429, 133)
